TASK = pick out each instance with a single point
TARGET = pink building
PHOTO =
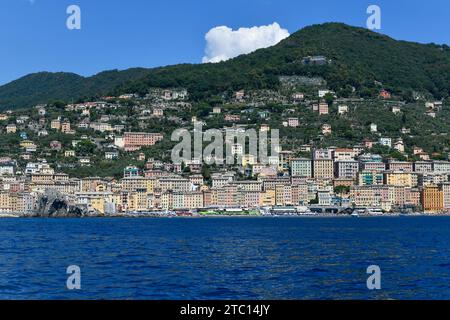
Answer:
(135, 140)
(323, 108)
(293, 122)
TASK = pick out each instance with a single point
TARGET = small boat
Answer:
(184, 213)
(283, 211)
(374, 211)
(234, 211)
(162, 213)
(9, 215)
(355, 214)
(304, 211)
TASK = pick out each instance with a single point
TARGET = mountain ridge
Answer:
(360, 58)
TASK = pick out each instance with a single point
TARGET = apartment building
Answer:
(323, 168)
(347, 169)
(370, 177)
(432, 199)
(403, 166)
(400, 178)
(135, 140)
(323, 108)
(423, 166)
(301, 167)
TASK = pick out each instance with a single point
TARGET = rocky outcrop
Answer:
(54, 204)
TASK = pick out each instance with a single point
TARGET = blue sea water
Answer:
(226, 258)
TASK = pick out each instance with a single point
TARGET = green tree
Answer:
(85, 147)
(329, 98)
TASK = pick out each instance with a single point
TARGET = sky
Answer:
(121, 34)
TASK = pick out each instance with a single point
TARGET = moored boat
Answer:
(9, 215)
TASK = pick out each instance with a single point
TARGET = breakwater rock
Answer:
(54, 204)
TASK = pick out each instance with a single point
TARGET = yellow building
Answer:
(11, 128)
(167, 200)
(13, 202)
(174, 184)
(26, 143)
(323, 168)
(134, 183)
(66, 187)
(151, 183)
(42, 178)
(55, 124)
(90, 184)
(212, 199)
(283, 195)
(98, 204)
(248, 159)
(432, 199)
(267, 198)
(400, 179)
(5, 202)
(194, 200)
(139, 200)
(94, 200)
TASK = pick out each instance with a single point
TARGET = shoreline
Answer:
(305, 216)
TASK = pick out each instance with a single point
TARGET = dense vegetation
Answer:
(361, 60)
(348, 129)
(45, 87)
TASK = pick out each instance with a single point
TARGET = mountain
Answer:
(43, 87)
(359, 58)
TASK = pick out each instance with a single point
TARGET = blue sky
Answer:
(147, 33)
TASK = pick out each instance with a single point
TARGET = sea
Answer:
(225, 258)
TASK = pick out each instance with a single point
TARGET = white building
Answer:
(326, 129)
(119, 142)
(387, 142)
(399, 145)
(342, 109)
(323, 93)
(446, 196)
(301, 167)
(324, 197)
(441, 166)
(111, 155)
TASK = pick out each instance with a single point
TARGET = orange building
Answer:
(432, 199)
(385, 94)
(65, 127)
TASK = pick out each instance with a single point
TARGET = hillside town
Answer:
(112, 157)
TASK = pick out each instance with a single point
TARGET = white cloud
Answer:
(223, 43)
